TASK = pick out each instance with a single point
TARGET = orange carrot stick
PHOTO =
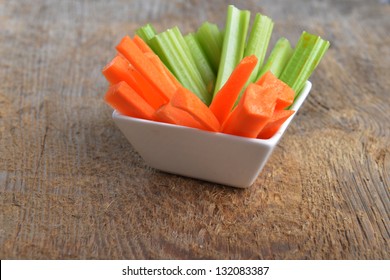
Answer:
(119, 69)
(224, 100)
(169, 114)
(121, 55)
(163, 69)
(124, 99)
(149, 53)
(189, 102)
(143, 65)
(285, 97)
(252, 113)
(277, 119)
(142, 45)
(147, 91)
(285, 93)
(267, 78)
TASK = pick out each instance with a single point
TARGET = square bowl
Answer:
(211, 156)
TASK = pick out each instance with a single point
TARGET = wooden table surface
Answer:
(72, 187)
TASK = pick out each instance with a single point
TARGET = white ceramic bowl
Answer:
(215, 157)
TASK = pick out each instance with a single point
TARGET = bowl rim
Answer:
(271, 141)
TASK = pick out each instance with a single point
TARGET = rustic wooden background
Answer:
(72, 187)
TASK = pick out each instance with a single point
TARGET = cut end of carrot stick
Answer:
(116, 70)
(276, 121)
(267, 78)
(252, 112)
(126, 101)
(189, 102)
(285, 97)
(285, 93)
(259, 100)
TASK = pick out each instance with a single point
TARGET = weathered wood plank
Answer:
(72, 187)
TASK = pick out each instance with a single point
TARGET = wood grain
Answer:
(71, 187)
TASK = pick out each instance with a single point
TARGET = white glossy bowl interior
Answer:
(215, 157)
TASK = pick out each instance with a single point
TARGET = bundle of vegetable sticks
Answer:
(213, 79)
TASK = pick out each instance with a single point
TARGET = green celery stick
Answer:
(278, 58)
(201, 62)
(236, 29)
(162, 49)
(146, 32)
(175, 32)
(183, 49)
(165, 50)
(258, 42)
(168, 48)
(305, 58)
(210, 39)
